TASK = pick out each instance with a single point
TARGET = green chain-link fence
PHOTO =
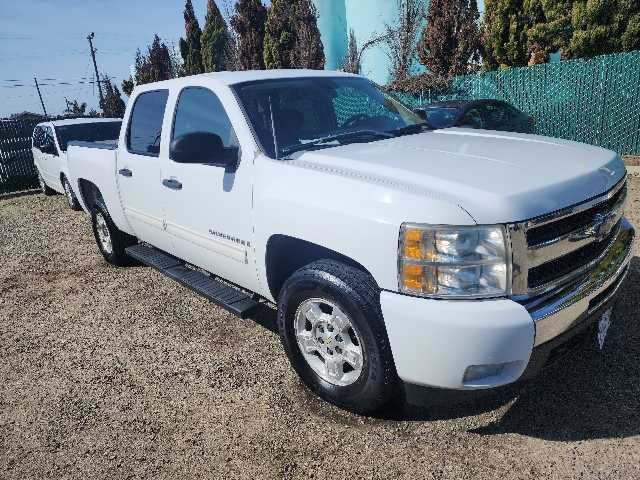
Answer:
(596, 101)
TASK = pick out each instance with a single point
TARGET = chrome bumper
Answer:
(568, 306)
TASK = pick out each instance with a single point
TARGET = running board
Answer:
(214, 290)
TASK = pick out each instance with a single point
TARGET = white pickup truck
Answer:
(400, 258)
(49, 148)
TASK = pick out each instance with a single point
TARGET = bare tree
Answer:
(353, 60)
(401, 38)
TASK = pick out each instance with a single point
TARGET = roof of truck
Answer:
(231, 78)
(75, 121)
(250, 75)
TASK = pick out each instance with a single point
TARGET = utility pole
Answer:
(40, 95)
(95, 67)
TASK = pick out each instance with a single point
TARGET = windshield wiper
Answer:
(342, 138)
(410, 129)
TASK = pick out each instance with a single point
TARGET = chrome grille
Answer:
(552, 250)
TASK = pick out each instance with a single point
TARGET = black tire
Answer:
(44, 188)
(72, 200)
(102, 225)
(357, 295)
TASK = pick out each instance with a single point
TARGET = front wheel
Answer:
(111, 241)
(43, 186)
(69, 195)
(333, 332)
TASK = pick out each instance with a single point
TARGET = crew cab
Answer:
(403, 261)
(49, 148)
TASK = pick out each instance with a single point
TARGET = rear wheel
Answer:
(333, 332)
(110, 240)
(43, 186)
(70, 196)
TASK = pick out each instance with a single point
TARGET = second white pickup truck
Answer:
(400, 258)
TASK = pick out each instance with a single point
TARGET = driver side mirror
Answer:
(47, 146)
(204, 148)
(420, 112)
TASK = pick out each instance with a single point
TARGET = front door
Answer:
(49, 160)
(138, 169)
(209, 206)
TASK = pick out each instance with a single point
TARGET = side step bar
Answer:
(219, 293)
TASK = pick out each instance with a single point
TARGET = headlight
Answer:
(455, 262)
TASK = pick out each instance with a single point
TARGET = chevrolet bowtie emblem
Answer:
(598, 229)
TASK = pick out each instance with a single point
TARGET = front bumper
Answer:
(434, 341)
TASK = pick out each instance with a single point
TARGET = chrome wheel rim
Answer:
(41, 181)
(103, 234)
(329, 342)
(68, 193)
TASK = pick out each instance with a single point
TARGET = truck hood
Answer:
(497, 177)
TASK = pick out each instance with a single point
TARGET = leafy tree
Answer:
(27, 116)
(450, 43)
(595, 26)
(215, 40)
(248, 22)
(153, 66)
(604, 26)
(112, 106)
(292, 38)
(630, 37)
(550, 29)
(505, 34)
(190, 47)
(401, 38)
(75, 109)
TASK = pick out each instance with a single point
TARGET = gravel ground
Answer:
(121, 373)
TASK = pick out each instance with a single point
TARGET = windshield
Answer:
(297, 114)
(87, 132)
(441, 117)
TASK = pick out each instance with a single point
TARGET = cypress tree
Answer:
(248, 21)
(190, 47)
(292, 38)
(215, 39)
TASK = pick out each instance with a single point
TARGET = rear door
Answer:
(138, 168)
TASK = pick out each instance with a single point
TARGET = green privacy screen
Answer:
(595, 101)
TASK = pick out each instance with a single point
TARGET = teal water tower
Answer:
(367, 19)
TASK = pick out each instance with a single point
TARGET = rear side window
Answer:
(199, 111)
(145, 125)
(87, 132)
(38, 135)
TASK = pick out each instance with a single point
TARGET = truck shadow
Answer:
(588, 395)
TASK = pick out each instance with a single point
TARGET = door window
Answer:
(38, 136)
(145, 126)
(47, 138)
(199, 111)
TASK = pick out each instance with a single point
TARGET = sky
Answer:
(48, 40)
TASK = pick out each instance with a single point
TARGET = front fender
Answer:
(355, 217)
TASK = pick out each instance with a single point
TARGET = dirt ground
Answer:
(122, 373)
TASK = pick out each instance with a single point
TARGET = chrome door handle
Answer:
(172, 183)
(125, 172)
